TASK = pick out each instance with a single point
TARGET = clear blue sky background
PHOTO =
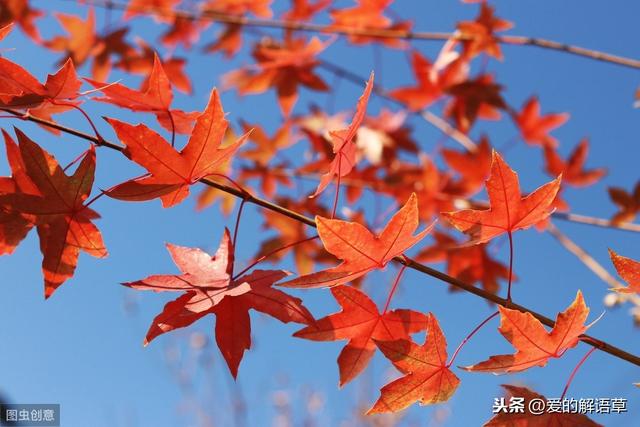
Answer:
(83, 347)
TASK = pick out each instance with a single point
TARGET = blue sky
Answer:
(83, 347)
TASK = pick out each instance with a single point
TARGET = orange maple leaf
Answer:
(474, 166)
(534, 345)
(14, 226)
(283, 66)
(260, 8)
(432, 80)
(303, 10)
(361, 323)
(19, 89)
(142, 60)
(572, 169)
(360, 250)
(508, 211)
(162, 10)
(154, 97)
(82, 42)
(481, 33)
(342, 140)
(628, 203)
(369, 15)
(629, 270)
(172, 172)
(474, 99)
(209, 288)
(20, 12)
(469, 264)
(427, 379)
(535, 128)
(56, 201)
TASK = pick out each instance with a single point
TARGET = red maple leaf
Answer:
(56, 201)
(161, 9)
(208, 288)
(184, 30)
(260, 8)
(629, 270)
(19, 89)
(534, 345)
(14, 226)
(628, 203)
(572, 169)
(473, 166)
(432, 80)
(142, 60)
(283, 66)
(155, 97)
(172, 172)
(424, 179)
(369, 15)
(20, 12)
(508, 211)
(469, 264)
(303, 10)
(427, 378)
(261, 155)
(474, 99)
(535, 128)
(344, 149)
(361, 323)
(227, 41)
(81, 43)
(360, 250)
(479, 35)
(113, 43)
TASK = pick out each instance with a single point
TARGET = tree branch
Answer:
(378, 33)
(601, 345)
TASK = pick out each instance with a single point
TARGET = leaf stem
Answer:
(96, 197)
(99, 137)
(173, 129)
(74, 161)
(335, 200)
(575, 371)
(468, 337)
(393, 288)
(234, 240)
(510, 234)
(273, 252)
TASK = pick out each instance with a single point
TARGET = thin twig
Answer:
(599, 222)
(380, 33)
(583, 256)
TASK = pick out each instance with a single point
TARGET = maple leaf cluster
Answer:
(377, 153)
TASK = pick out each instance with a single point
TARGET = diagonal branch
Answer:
(591, 263)
(601, 345)
(583, 256)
